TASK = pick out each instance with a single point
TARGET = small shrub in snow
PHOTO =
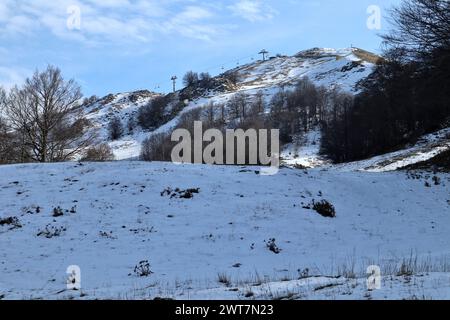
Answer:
(100, 153)
(272, 246)
(58, 212)
(189, 193)
(142, 269)
(11, 221)
(224, 279)
(303, 274)
(181, 194)
(167, 192)
(106, 234)
(51, 231)
(436, 180)
(31, 210)
(298, 166)
(324, 208)
(409, 266)
(406, 270)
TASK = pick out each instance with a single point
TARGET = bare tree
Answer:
(223, 116)
(210, 113)
(153, 114)
(232, 77)
(157, 147)
(99, 153)
(206, 81)
(131, 124)
(190, 78)
(42, 112)
(2, 107)
(420, 25)
(322, 100)
(89, 101)
(238, 105)
(259, 104)
(9, 146)
(6, 139)
(2, 98)
(115, 128)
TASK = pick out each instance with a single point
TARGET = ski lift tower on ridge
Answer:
(264, 52)
(174, 80)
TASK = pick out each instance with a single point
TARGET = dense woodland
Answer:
(409, 92)
(293, 111)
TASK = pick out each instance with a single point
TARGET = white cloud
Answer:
(112, 21)
(192, 14)
(187, 23)
(253, 10)
(4, 11)
(20, 24)
(151, 8)
(110, 3)
(9, 77)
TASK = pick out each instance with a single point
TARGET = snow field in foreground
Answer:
(115, 215)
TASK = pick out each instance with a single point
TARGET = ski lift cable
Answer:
(222, 66)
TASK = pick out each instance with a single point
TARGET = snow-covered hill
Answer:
(240, 235)
(329, 67)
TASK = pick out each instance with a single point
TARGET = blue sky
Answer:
(125, 45)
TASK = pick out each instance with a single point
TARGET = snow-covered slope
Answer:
(328, 67)
(426, 148)
(305, 151)
(124, 106)
(115, 215)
